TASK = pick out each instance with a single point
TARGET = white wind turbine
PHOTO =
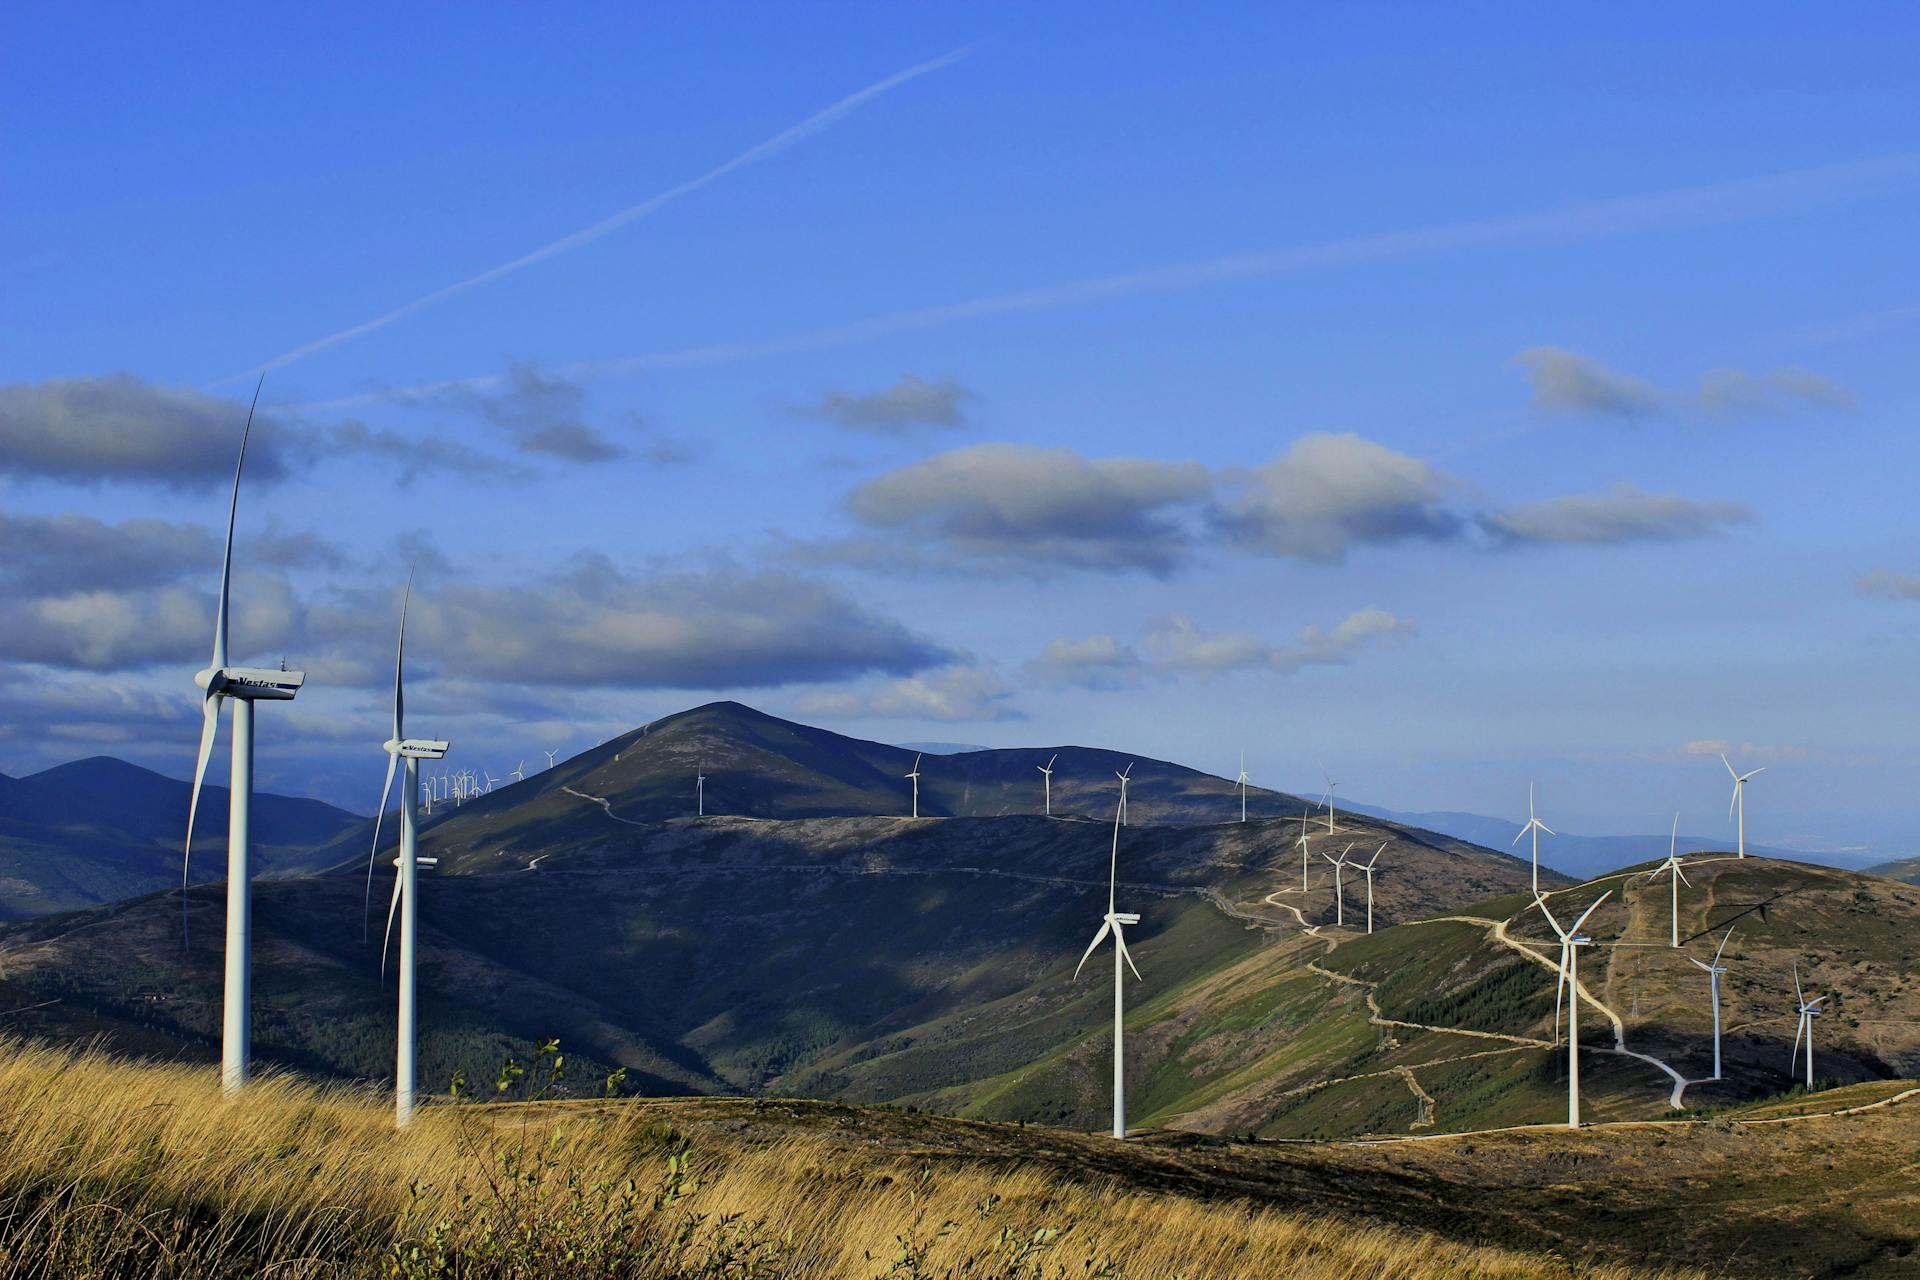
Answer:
(490, 782)
(1714, 971)
(1241, 782)
(405, 883)
(1809, 1010)
(1739, 801)
(551, 755)
(242, 686)
(915, 775)
(1125, 776)
(1534, 826)
(1339, 902)
(1679, 877)
(1571, 940)
(519, 773)
(1113, 923)
(700, 789)
(1367, 867)
(1327, 799)
(1046, 776)
(1305, 816)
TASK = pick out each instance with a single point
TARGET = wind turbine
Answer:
(1305, 816)
(1679, 877)
(1367, 867)
(490, 781)
(1339, 903)
(1571, 940)
(700, 789)
(1535, 826)
(1046, 775)
(242, 686)
(405, 883)
(1113, 923)
(1125, 777)
(1241, 782)
(1714, 970)
(1739, 800)
(1327, 799)
(915, 775)
(1809, 1010)
(519, 773)
(551, 755)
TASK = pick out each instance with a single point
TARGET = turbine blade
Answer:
(1798, 995)
(399, 663)
(1751, 772)
(1723, 944)
(1683, 876)
(1120, 941)
(1522, 836)
(1560, 990)
(208, 731)
(1729, 764)
(1589, 911)
(226, 560)
(1798, 1031)
(1541, 903)
(1098, 938)
(393, 908)
(1549, 830)
(366, 905)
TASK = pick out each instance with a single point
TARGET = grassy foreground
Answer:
(112, 1169)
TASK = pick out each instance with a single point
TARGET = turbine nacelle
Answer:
(416, 748)
(255, 684)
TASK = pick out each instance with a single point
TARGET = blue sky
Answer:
(1459, 397)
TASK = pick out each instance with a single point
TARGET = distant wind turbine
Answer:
(1339, 902)
(550, 756)
(491, 780)
(1113, 922)
(1124, 776)
(1739, 801)
(1715, 971)
(1367, 867)
(1809, 1010)
(1535, 827)
(519, 773)
(1679, 877)
(1571, 940)
(242, 686)
(1241, 782)
(915, 775)
(1046, 775)
(407, 862)
(700, 789)
(1328, 799)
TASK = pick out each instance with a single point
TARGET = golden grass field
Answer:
(111, 1169)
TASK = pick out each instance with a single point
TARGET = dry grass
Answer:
(112, 1169)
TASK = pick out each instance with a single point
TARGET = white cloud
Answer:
(1622, 514)
(1887, 585)
(952, 694)
(906, 404)
(1330, 493)
(1174, 646)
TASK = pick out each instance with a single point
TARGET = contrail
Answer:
(772, 146)
(1714, 205)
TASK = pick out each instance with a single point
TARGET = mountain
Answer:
(1907, 869)
(866, 956)
(100, 829)
(760, 766)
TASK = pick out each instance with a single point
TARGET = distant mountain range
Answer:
(100, 830)
(1907, 869)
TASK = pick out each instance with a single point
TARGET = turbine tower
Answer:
(1125, 777)
(242, 686)
(1306, 816)
(1679, 877)
(1241, 782)
(915, 775)
(1571, 940)
(1113, 922)
(1739, 801)
(1367, 867)
(407, 864)
(1339, 902)
(1715, 971)
(1809, 1010)
(1046, 775)
(700, 790)
(1535, 827)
